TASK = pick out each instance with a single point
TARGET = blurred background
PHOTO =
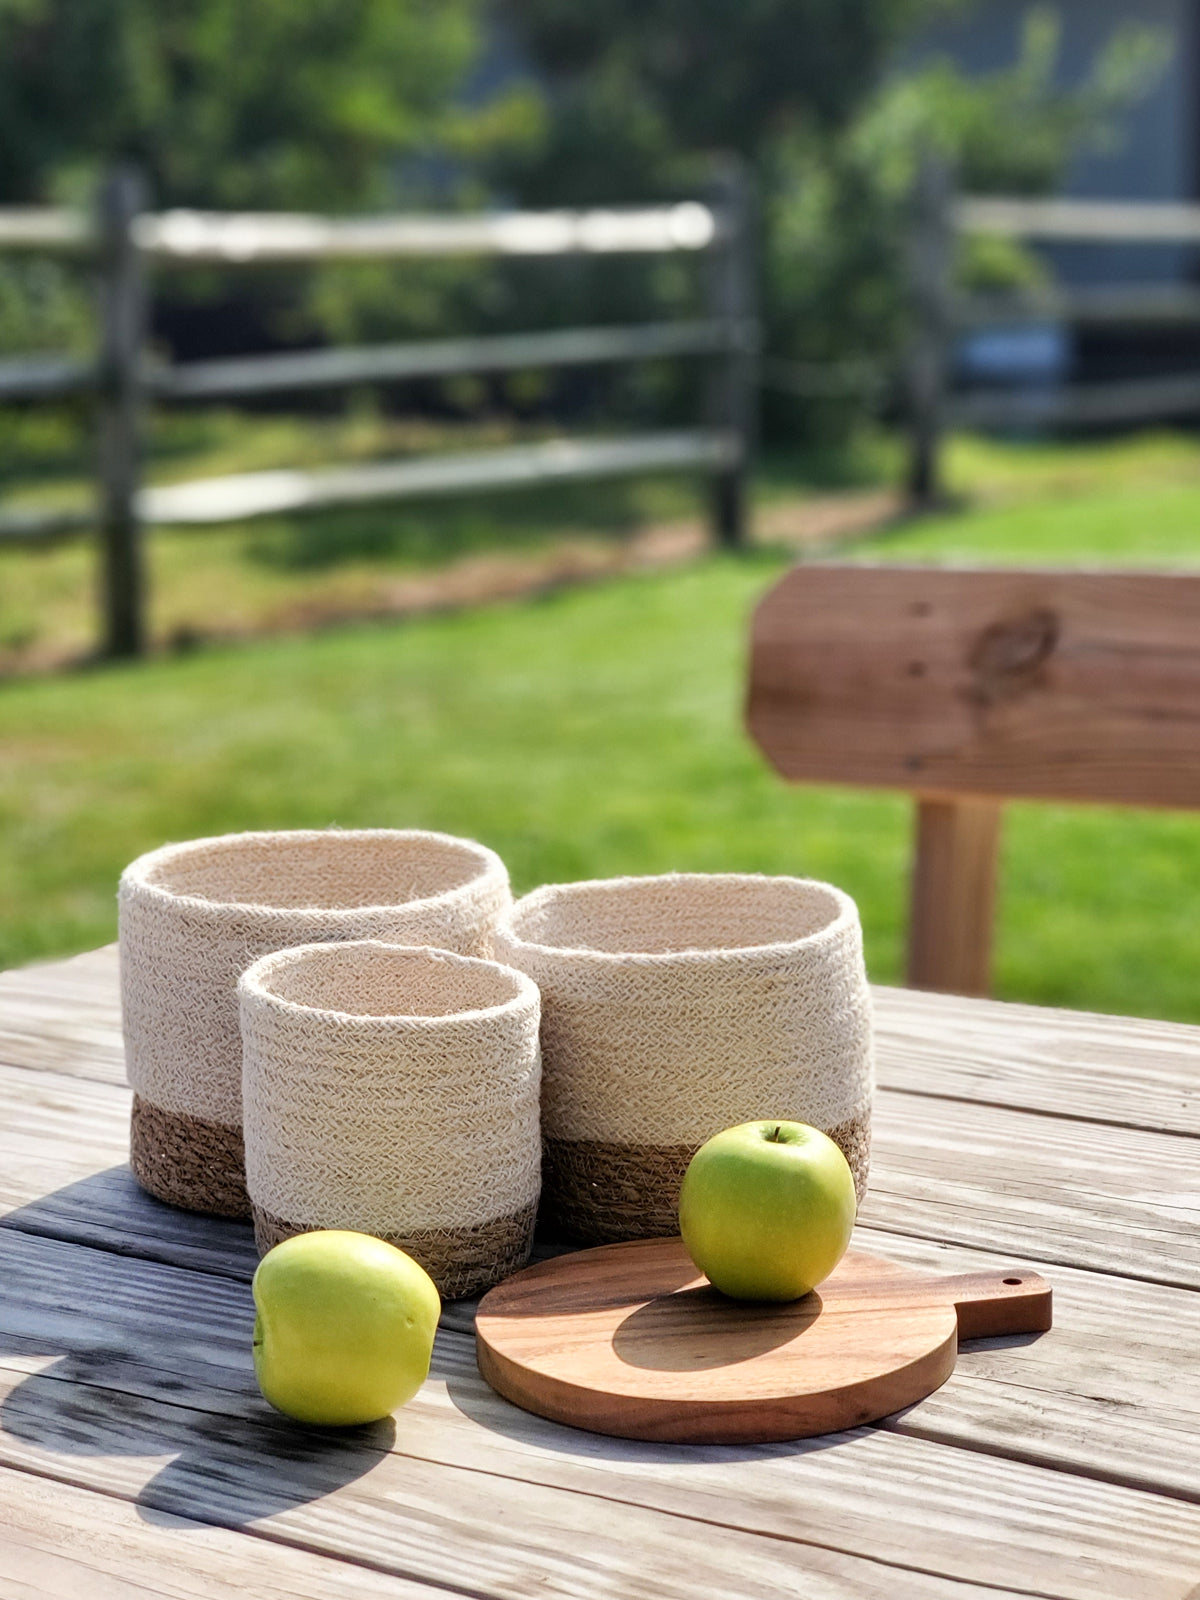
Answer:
(403, 404)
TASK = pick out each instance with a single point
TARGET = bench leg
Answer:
(953, 895)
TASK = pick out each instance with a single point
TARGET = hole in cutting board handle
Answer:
(1014, 1280)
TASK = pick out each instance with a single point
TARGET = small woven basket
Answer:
(395, 1091)
(673, 1007)
(194, 916)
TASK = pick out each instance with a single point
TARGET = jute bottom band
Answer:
(596, 1193)
(461, 1261)
(188, 1162)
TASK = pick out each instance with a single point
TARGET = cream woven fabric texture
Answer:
(194, 916)
(394, 1091)
(675, 1006)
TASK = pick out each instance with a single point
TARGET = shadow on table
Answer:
(110, 1211)
(135, 1386)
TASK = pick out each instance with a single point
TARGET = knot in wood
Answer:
(1007, 658)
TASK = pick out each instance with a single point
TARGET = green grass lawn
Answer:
(597, 731)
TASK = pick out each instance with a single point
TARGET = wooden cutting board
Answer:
(630, 1340)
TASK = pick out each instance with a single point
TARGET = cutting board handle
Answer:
(1012, 1300)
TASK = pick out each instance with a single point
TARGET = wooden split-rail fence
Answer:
(123, 241)
(942, 314)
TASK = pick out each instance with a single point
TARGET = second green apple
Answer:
(766, 1209)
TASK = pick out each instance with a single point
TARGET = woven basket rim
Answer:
(252, 984)
(507, 925)
(136, 877)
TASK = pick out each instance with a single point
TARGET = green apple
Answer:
(766, 1209)
(345, 1327)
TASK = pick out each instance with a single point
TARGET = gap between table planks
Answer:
(1012, 1183)
(64, 1016)
(158, 1403)
(1050, 1425)
(1070, 1400)
(58, 1542)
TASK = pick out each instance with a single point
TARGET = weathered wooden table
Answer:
(137, 1458)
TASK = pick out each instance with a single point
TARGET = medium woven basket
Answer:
(194, 916)
(395, 1092)
(673, 1007)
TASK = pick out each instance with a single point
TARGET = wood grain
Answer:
(65, 1017)
(1017, 1184)
(1063, 1467)
(470, 1531)
(1037, 1188)
(58, 1542)
(1050, 685)
(953, 895)
(630, 1340)
(1126, 1071)
(161, 1332)
(157, 1402)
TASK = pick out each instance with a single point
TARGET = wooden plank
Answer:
(1110, 221)
(155, 1398)
(1116, 1200)
(1128, 1071)
(1107, 1198)
(64, 1016)
(49, 228)
(1078, 405)
(44, 377)
(471, 1531)
(731, 401)
(257, 494)
(35, 525)
(158, 1331)
(926, 363)
(64, 1174)
(58, 1542)
(1051, 685)
(245, 237)
(1083, 305)
(383, 363)
(953, 895)
(124, 314)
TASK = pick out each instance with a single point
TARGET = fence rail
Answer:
(1103, 221)
(940, 215)
(123, 238)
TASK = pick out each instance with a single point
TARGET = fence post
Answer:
(930, 258)
(119, 412)
(733, 385)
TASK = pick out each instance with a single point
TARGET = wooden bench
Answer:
(971, 687)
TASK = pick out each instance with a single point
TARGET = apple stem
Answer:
(774, 1134)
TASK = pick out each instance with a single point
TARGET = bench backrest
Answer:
(968, 687)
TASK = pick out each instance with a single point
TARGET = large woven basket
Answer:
(673, 1007)
(395, 1092)
(194, 916)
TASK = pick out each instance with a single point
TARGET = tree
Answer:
(277, 103)
(328, 105)
(639, 91)
(636, 87)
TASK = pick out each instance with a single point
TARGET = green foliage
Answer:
(839, 208)
(279, 103)
(639, 88)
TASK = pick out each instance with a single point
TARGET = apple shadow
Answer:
(130, 1380)
(699, 1330)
